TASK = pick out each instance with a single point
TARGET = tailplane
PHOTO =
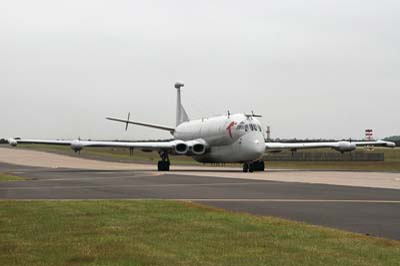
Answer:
(181, 115)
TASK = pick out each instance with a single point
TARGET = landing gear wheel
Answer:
(245, 168)
(248, 167)
(164, 164)
(251, 167)
(259, 166)
(254, 166)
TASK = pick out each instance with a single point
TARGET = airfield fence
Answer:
(325, 156)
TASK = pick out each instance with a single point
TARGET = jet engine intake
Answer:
(192, 147)
(197, 147)
(76, 145)
(181, 148)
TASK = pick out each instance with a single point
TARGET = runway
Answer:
(367, 210)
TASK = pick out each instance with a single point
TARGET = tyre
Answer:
(251, 167)
(163, 166)
(245, 168)
(261, 166)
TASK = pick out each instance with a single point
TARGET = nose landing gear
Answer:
(164, 164)
(254, 166)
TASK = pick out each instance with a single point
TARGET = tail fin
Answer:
(181, 115)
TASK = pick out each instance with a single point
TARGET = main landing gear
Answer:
(254, 166)
(164, 164)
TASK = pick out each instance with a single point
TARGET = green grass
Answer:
(155, 232)
(7, 177)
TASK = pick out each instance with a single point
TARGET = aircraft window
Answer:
(239, 127)
(246, 128)
(252, 127)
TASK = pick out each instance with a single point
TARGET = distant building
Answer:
(369, 136)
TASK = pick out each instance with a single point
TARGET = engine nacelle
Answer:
(197, 147)
(193, 147)
(12, 142)
(345, 146)
(181, 148)
(76, 145)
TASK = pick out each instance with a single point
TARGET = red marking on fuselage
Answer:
(229, 128)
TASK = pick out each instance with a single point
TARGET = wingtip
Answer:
(390, 144)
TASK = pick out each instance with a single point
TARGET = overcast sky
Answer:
(313, 69)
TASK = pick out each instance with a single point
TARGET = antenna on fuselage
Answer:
(127, 121)
(181, 115)
(252, 114)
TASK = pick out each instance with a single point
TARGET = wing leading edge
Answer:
(80, 144)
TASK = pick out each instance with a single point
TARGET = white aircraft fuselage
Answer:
(228, 138)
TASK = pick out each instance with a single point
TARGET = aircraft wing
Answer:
(175, 146)
(342, 146)
(14, 142)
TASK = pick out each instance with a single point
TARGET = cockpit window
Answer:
(246, 127)
(240, 126)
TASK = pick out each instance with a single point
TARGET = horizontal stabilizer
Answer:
(161, 127)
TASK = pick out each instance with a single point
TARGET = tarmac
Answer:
(362, 202)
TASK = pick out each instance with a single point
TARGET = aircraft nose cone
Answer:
(259, 147)
(253, 147)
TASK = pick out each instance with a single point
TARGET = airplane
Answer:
(230, 138)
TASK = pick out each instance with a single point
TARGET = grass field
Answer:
(7, 177)
(391, 163)
(155, 232)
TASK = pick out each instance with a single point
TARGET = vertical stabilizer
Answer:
(181, 115)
